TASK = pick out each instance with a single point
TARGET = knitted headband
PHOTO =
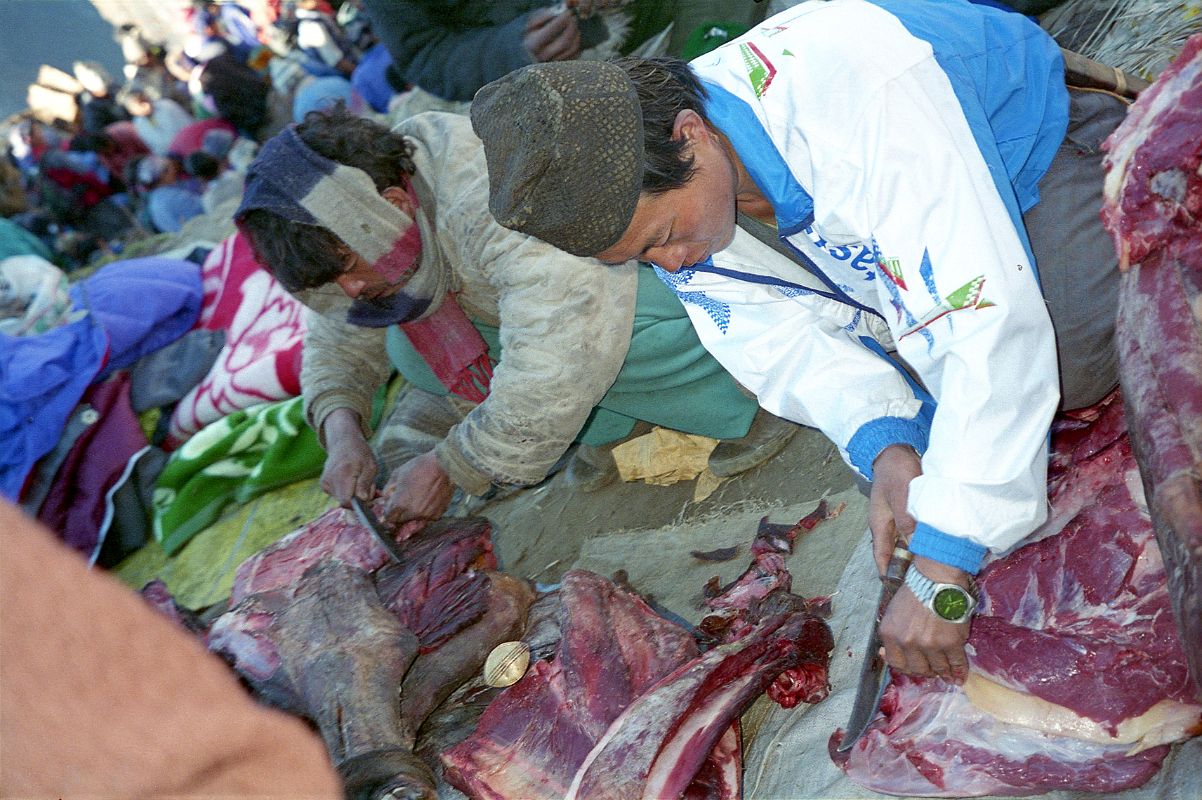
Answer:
(293, 181)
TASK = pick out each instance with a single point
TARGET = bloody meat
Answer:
(1153, 209)
(326, 627)
(628, 707)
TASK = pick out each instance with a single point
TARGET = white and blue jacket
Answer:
(899, 143)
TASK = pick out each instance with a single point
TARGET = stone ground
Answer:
(542, 532)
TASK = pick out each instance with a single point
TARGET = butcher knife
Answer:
(368, 518)
(874, 674)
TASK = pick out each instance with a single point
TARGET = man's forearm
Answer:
(339, 424)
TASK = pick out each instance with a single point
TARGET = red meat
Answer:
(629, 709)
(1153, 209)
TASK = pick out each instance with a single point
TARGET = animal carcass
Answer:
(630, 708)
(1153, 208)
(326, 627)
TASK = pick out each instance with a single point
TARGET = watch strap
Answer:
(926, 589)
(922, 586)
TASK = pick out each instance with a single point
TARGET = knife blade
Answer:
(874, 673)
(372, 523)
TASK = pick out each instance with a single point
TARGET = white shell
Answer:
(506, 664)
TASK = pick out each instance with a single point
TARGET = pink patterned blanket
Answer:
(264, 327)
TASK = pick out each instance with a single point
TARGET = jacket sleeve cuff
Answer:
(460, 471)
(873, 437)
(954, 551)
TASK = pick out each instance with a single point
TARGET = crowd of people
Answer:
(170, 139)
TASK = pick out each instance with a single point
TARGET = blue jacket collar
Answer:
(794, 207)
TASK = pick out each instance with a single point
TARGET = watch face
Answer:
(951, 603)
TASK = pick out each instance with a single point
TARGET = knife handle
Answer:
(899, 562)
(891, 581)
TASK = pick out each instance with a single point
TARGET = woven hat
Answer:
(564, 147)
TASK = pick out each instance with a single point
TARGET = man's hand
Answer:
(417, 493)
(888, 519)
(351, 468)
(919, 643)
(551, 37)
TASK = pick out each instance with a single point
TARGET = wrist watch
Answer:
(947, 601)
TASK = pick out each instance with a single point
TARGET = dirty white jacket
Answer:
(565, 322)
(899, 144)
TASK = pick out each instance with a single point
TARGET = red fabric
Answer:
(453, 349)
(75, 505)
(94, 191)
(399, 263)
(129, 145)
(191, 136)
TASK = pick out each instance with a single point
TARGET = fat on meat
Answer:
(1077, 675)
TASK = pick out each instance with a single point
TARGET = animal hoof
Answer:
(387, 775)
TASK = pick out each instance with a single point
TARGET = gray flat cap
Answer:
(564, 146)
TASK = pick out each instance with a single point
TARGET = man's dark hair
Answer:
(94, 142)
(202, 165)
(665, 86)
(239, 93)
(309, 256)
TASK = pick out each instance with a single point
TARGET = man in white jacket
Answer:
(899, 150)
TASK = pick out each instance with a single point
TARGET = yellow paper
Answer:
(663, 457)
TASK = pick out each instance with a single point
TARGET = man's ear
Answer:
(690, 126)
(399, 197)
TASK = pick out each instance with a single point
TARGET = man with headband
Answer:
(387, 239)
(928, 169)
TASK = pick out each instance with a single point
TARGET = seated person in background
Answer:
(232, 156)
(352, 19)
(78, 190)
(29, 140)
(236, 92)
(119, 145)
(451, 49)
(145, 65)
(97, 106)
(157, 120)
(224, 27)
(327, 49)
(387, 238)
(192, 136)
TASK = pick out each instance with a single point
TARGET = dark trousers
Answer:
(1078, 267)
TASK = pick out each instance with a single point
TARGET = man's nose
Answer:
(351, 286)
